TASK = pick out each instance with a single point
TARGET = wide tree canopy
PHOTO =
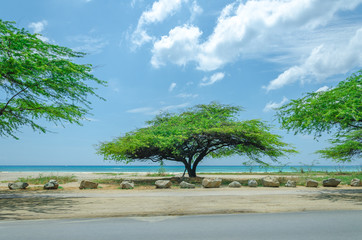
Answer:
(39, 80)
(188, 137)
(337, 110)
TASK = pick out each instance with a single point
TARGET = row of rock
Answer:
(206, 183)
(273, 182)
(52, 184)
(266, 182)
(330, 182)
(216, 182)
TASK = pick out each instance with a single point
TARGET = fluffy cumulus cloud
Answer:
(159, 11)
(38, 27)
(213, 79)
(273, 105)
(179, 47)
(258, 28)
(324, 61)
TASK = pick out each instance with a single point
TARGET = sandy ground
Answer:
(109, 201)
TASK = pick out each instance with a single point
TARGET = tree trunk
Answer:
(190, 171)
(193, 172)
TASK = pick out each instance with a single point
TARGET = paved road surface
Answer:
(338, 225)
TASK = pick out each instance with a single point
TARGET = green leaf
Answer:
(39, 80)
(337, 110)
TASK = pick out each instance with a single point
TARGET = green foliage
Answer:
(202, 131)
(337, 110)
(44, 179)
(345, 147)
(39, 80)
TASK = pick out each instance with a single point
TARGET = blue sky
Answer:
(173, 54)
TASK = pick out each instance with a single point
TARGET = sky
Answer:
(168, 55)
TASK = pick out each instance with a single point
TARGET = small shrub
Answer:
(44, 179)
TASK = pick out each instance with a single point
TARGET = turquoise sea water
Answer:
(200, 169)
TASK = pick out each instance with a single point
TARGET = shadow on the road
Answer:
(350, 195)
(16, 205)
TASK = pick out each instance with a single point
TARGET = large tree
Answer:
(188, 137)
(337, 110)
(39, 80)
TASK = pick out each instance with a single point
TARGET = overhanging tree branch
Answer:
(41, 79)
(338, 111)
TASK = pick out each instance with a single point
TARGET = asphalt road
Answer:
(303, 225)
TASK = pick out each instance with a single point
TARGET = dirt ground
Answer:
(109, 201)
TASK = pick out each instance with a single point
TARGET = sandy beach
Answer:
(110, 201)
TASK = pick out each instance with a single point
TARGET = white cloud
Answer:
(160, 10)
(213, 79)
(179, 47)
(322, 89)
(250, 29)
(173, 107)
(144, 110)
(195, 10)
(273, 105)
(38, 27)
(172, 87)
(154, 111)
(324, 61)
(88, 44)
(187, 95)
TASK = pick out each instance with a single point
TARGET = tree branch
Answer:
(8, 102)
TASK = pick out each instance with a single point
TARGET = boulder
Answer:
(87, 184)
(291, 183)
(235, 184)
(252, 183)
(184, 184)
(270, 182)
(356, 182)
(127, 185)
(311, 183)
(17, 185)
(331, 182)
(211, 183)
(163, 184)
(52, 184)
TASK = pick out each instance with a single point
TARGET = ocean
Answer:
(200, 169)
